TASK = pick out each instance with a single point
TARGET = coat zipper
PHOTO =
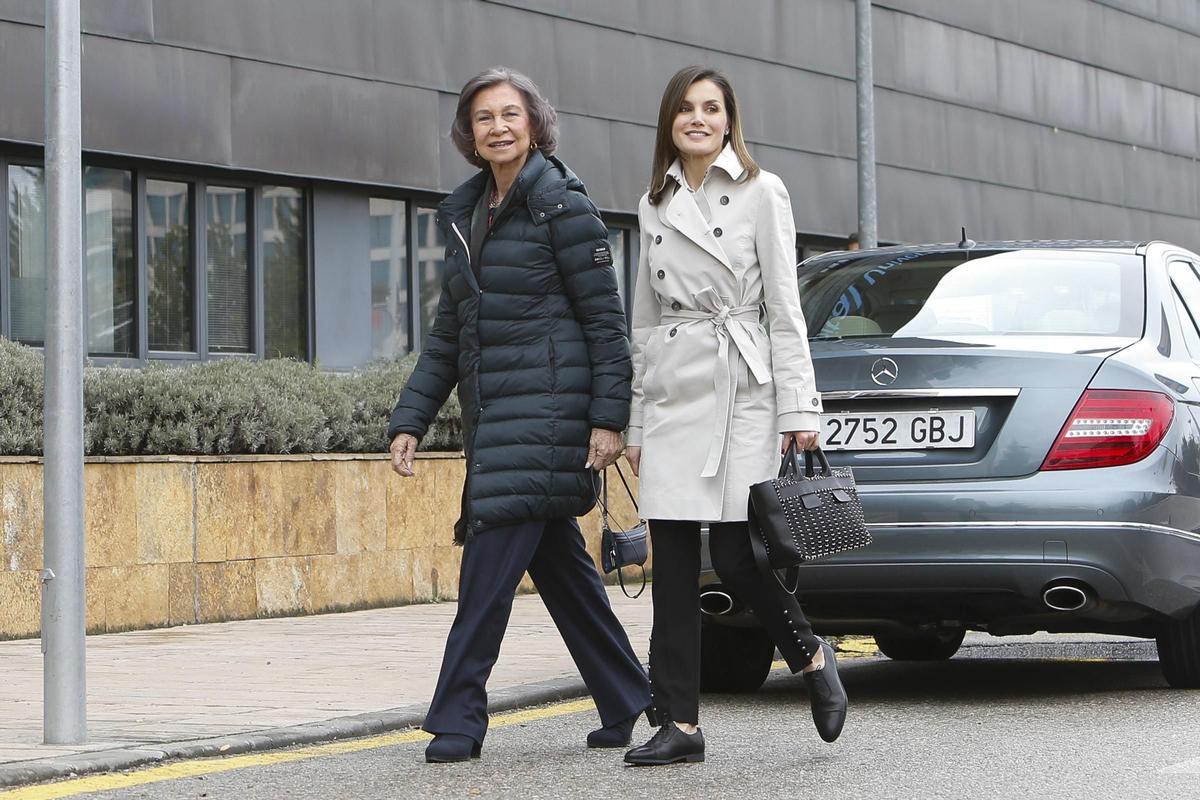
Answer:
(478, 412)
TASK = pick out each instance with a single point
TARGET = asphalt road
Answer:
(1036, 720)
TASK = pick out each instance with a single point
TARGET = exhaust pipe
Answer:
(1067, 597)
(717, 603)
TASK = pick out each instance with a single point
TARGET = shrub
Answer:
(232, 406)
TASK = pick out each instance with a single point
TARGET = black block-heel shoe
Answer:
(447, 748)
(668, 746)
(618, 735)
(828, 696)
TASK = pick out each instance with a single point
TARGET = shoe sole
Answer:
(612, 746)
(438, 760)
(694, 758)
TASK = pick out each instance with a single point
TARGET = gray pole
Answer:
(64, 710)
(865, 80)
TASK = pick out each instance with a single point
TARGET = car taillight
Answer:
(1109, 428)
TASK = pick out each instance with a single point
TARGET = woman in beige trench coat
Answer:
(721, 370)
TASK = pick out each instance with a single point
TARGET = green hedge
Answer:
(231, 406)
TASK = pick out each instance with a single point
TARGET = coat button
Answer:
(816, 402)
(675, 306)
(717, 232)
(724, 199)
(674, 331)
(658, 240)
(661, 274)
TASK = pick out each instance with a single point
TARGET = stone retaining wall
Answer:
(176, 540)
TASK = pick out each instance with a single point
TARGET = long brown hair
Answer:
(672, 100)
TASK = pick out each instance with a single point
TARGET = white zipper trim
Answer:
(461, 238)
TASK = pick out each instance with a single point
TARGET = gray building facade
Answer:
(261, 174)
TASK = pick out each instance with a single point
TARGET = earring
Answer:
(532, 145)
(477, 154)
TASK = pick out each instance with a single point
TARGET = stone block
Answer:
(133, 596)
(181, 593)
(422, 510)
(269, 510)
(20, 517)
(334, 583)
(422, 575)
(308, 507)
(282, 585)
(20, 604)
(164, 512)
(110, 515)
(445, 564)
(360, 516)
(387, 577)
(223, 510)
(226, 591)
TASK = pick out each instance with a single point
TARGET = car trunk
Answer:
(1021, 390)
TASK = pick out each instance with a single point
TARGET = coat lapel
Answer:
(684, 215)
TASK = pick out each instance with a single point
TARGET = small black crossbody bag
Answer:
(621, 547)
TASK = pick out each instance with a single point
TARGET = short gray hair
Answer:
(542, 116)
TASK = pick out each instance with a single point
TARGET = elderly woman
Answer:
(530, 328)
(722, 383)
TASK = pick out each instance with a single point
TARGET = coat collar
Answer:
(727, 161)
(543, 179)
(682, 213)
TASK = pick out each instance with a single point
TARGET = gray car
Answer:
(1021, 419)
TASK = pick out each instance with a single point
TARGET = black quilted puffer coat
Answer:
(533, 334)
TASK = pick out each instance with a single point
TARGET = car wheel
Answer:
(734, 659)
(914, 645)
(1179, 652)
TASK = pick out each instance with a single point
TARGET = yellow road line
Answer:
(209, 766)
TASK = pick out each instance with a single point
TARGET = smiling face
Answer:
(500, 125)
(701, 123)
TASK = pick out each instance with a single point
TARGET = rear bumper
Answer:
(1151, 566)
(992, 575)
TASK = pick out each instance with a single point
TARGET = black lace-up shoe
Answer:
(669, 746)
(828, 697)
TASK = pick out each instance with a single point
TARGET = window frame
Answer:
(199, 282)
(253, 268)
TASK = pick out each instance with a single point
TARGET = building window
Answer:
(228, 269)
(170, 271)
(285, 272)
(389, 278)
(431, 253)
(27, 253)
(110, 267)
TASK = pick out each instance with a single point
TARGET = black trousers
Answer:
(493, 562)
(675, 638)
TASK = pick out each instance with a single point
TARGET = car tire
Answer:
(1179, 651)
(914, 645)
(734, 659)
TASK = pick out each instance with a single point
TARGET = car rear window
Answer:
(1022, 292)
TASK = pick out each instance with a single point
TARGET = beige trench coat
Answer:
(712, 389)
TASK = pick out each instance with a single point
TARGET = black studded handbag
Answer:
(804, 514)
(621, 547)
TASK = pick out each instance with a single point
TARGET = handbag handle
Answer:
(790, 466)
(602, 497)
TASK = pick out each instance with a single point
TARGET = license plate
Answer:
(902, 430)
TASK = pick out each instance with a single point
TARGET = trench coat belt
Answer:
(732, 324)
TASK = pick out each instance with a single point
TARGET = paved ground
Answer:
(146, 688)
(1088, 719)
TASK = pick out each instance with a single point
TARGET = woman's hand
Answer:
(604, 450)
(404, 448)
(633, 454)
(805, 440)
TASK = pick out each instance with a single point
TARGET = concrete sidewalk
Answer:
(239, 686)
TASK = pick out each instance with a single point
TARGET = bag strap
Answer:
(621, 580)
(759, 548)
(602, 495)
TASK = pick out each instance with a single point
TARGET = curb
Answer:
(352, 727)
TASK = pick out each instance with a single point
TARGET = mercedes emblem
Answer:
(884, 372)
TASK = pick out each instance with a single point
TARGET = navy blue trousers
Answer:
(493, 563)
